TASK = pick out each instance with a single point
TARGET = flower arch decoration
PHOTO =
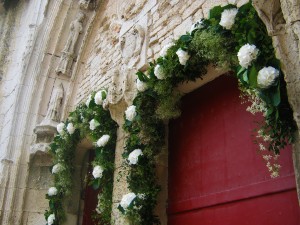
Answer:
(231, 38)
(89, 120)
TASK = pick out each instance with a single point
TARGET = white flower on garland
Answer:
(197, 25)
(158, 72)
(100, 96)
(247, 54)
(130, 112)
(228, 17)
(60, 128)
(51, 219)
(141, 196)
(141, 86)
(103, 140)
(93, 124)
(164, 50)
(183, 56)
(97, 172)
(52, 191)
(267, 76)
(57, 168)
(127, 199)
(70, 128)
(88, 100)
(134, 156)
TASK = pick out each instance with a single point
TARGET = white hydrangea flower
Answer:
(51, 219)
(97, 172)
(70, 128)
(52, 191)
(103, 140)
(163, 51)
(93, 124)
(60, 128)
(141, 86)
(99, 97)
(267, 76)
(247, 54)
(158, 72)
(57, 168)
(197, 25)
(88, 100)
(130, 112)
(228, 17)
(127, 199)
(134, 156)
(183, 56)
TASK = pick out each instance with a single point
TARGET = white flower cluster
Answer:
(197, 25)
(100, 96)
(52, 191)
(130, 113)
(158, 72)
(267, 76)
(51, 219)
(183, 56)
(127, 199)
(141, 86)
(71, 128)
(60, 128)
(247, 54)
(164, 50)
(103, 140)
(93, 124)
(134, 156)
(97, 172)
(57, 168)
(228, 17)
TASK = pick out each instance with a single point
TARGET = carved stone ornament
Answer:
(122, 77)
(129, 8)
(84, 4)
(67, 55)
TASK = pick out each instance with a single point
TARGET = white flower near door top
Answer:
(97, 172)
(130, 113)
(127, 199)
(247, 54)
(52, 191)
(51, 219)
(57, 168)
(267, 76)
(228, 17)
(70, 128)
(103, 140)
(134, 156)
(60, 128)
(183, 56)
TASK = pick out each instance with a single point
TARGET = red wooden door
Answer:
(216, 176)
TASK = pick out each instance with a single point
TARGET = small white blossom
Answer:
(51, 219)
(60, 128)
(262, 147)
(130, 112)
(163, 51)
(88, 100)
(97, 172)
(141, 86)
(267, 157)
(134, 156)
(247, 54)
(52, 191)
(267, 76)
(93, 124)
(228, 17)
(103, 140)
(57, 168)
(183, 56)
(197, 25)
(158, 72)
(99, 97)
(141, 196)
(70, 128)
(127, 199)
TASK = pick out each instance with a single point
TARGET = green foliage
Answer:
(63, 151)
(9, 3)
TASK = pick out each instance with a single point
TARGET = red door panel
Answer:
(214, 167)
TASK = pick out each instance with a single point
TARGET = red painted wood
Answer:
(90, 197)
(214, 167)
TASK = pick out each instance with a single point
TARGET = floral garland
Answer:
(231, 38)
(92, 121)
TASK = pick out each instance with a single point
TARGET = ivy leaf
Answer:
(215, 13)
(96, 184)
(253, 76)
(276, 96)
(251, 36)
(186, 38)
(142, 77)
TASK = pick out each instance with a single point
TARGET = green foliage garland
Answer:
(63, 151)
(208, 43)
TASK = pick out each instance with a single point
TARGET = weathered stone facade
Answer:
(54, 53)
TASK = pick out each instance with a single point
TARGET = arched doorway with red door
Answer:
(216, 176)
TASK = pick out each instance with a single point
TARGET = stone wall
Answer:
(54, 53)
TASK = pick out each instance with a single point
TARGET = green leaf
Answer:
(186, 38)
(142, 77)
(96, 184)
(253, 76)
(245, 76)
(276, 96)
(251, 36)
(215, 13)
